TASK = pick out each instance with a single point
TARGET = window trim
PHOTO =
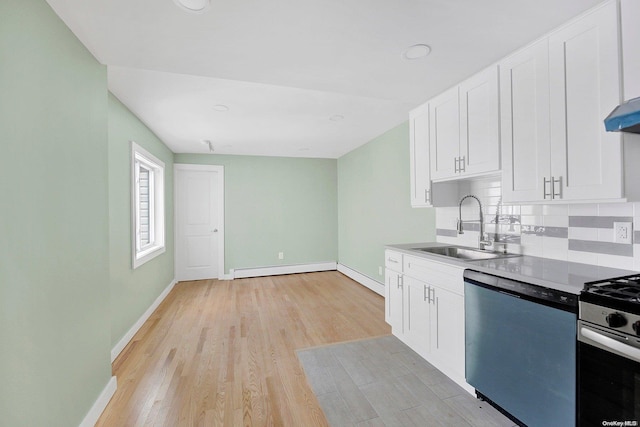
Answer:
(156, 246)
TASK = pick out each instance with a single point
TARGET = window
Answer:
(147, 205)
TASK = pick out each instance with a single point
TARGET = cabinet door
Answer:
(586, 161)
(417, 315)
(447, 330)
(444, 131)
(394, 301)
(419, 157)
(479, 134)
(524, 106)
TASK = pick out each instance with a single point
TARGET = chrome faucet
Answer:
(481, 242)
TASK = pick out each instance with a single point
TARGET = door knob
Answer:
(215, 230)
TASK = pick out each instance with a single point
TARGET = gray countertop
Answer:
(560, 275)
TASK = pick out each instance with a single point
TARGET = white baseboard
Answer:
(115, 351)
(241, 273)
(101, 402)
(367, 281)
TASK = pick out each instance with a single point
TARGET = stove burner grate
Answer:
(624, 288)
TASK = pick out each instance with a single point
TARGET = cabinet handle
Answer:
(400, 284)
(392, 260)
(427, 199)
(553, 187)
(437, 320)
(545, 181)
(463, 167)
(456, 169)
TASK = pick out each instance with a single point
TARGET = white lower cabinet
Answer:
(425, 308)
(447, 330)
(417, 316)
(393, 292)
(394, 301)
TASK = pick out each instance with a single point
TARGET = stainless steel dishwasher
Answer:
(520, 348)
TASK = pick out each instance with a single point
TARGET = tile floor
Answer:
(382, 382)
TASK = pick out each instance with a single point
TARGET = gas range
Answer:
(609, 352)
(613, 304)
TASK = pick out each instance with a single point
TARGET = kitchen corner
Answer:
(503, 328)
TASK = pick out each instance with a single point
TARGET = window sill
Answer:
(147, 255)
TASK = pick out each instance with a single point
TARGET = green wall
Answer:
(54, 269)
(374, 205)
(67, 290)
(276, 204)
(133, 291)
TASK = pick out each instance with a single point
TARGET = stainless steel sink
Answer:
(468, 254)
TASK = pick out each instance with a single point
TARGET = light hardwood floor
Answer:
(222, 353)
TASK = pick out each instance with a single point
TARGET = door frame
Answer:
(219, 169)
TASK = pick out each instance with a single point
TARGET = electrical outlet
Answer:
(623, 232)
(280, 255)
(380, 270)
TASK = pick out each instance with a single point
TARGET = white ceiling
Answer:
(285, 67)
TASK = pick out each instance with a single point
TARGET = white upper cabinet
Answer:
(419, 157)
(554, 97)
(444, 113)
(586, 161)
(479, 131)
(629, 17)
(464, 137)
(524, 101)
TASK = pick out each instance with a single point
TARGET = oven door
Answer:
(608, 377)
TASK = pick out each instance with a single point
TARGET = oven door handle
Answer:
(609, 343)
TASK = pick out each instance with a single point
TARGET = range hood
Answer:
(625, 117)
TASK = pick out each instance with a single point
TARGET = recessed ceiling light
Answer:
(221, 108)
(417, 51)
(196, 6)
(336, 118)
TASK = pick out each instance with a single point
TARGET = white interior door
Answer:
(199, 222)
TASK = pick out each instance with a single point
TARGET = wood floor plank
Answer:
(223, 353)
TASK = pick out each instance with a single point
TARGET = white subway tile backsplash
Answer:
(531, 220)
(493, 192)
(555, 248)
(582, 257)
(447, 240)
(555, 210)
(636, 259)
(555, 220)
(587, 209)
(446, 217)
(614, 261)
(583, 233)
(510, 210)
(573, 232)
(531, 245)
(531, 210)
(636, 213)
(605, 235)
(615, 209)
